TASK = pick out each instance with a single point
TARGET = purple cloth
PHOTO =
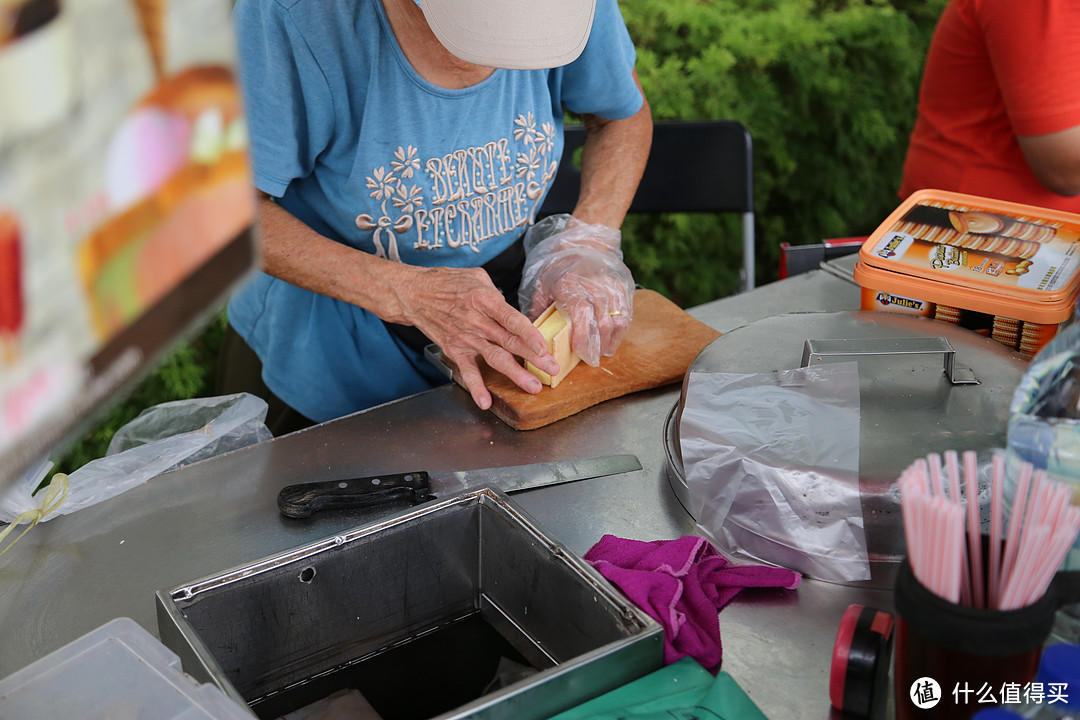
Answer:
(682, 584)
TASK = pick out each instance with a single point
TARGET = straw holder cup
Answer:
(966, 648)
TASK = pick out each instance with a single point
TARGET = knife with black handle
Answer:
(300, 501)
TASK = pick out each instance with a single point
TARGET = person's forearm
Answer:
(1055, 160)
(297, 254)
(612, 162)
(459, 309)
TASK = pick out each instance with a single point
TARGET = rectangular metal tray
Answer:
(263, 630)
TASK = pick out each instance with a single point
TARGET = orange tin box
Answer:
(1004, 269)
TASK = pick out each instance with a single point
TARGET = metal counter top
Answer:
(76, 572)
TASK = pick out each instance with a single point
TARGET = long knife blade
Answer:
(303, 499)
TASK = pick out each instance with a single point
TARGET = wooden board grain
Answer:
(662, 342)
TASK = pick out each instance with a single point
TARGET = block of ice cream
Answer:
(11, 297)
(179, 189)
(208, 136)
(146, 150)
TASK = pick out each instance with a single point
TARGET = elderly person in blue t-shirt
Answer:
(402, 149)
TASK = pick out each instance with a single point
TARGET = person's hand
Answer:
(579, 267)
(462, 311)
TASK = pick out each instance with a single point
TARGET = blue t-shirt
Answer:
(356, 144)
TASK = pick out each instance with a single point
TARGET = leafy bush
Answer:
(186, 371)
(828, 91)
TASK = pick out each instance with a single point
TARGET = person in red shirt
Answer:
(999, 106)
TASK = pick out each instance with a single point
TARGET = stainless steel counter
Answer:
(74, 573)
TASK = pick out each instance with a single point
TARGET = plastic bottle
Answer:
(997, 713)
(1044, 416)
(1044, 430)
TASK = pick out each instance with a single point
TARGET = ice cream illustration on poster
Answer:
(123, 172)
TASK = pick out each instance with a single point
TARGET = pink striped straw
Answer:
(934, 531)
(944, 537)
(909, 491)
(906, 483)
(934, 512)
(1053, 552)
(1032, 519)
(1015, 520)
(1038, 499)
(952, 465)
(997, 489)
(953, 547)
(952, 471)
(1043, 547)
(920, 473)
(1026, 565)
(916, 507)
(1060, 504)
(971, 477)
(937, 485)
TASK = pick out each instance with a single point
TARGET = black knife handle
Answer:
(300, 501)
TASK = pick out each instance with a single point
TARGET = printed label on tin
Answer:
(1009, 250)
(893, 245)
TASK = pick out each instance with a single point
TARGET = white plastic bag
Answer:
(772, 466)
(161, 438)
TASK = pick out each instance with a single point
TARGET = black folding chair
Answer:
(699, 166)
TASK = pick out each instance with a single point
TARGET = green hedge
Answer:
(827, 89)
(828, 92)
(187, 371)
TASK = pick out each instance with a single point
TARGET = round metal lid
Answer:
(909, 407)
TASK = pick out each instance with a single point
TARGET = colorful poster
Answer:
(123, 178)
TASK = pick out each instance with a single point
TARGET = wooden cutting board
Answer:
(662, 342)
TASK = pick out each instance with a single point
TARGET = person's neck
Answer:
(425, 53)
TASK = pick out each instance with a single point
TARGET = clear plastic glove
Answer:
(579, 267)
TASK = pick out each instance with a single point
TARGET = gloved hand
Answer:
(579, 267)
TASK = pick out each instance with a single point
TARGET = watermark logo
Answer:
(925, 693)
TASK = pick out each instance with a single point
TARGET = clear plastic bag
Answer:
(772, 465)
(161, 438)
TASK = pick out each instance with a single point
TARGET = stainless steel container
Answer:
(302, 624)
(909, 404)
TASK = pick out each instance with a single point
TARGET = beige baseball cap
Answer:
(513, 34)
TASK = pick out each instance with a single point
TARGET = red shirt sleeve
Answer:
(1034, 48)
